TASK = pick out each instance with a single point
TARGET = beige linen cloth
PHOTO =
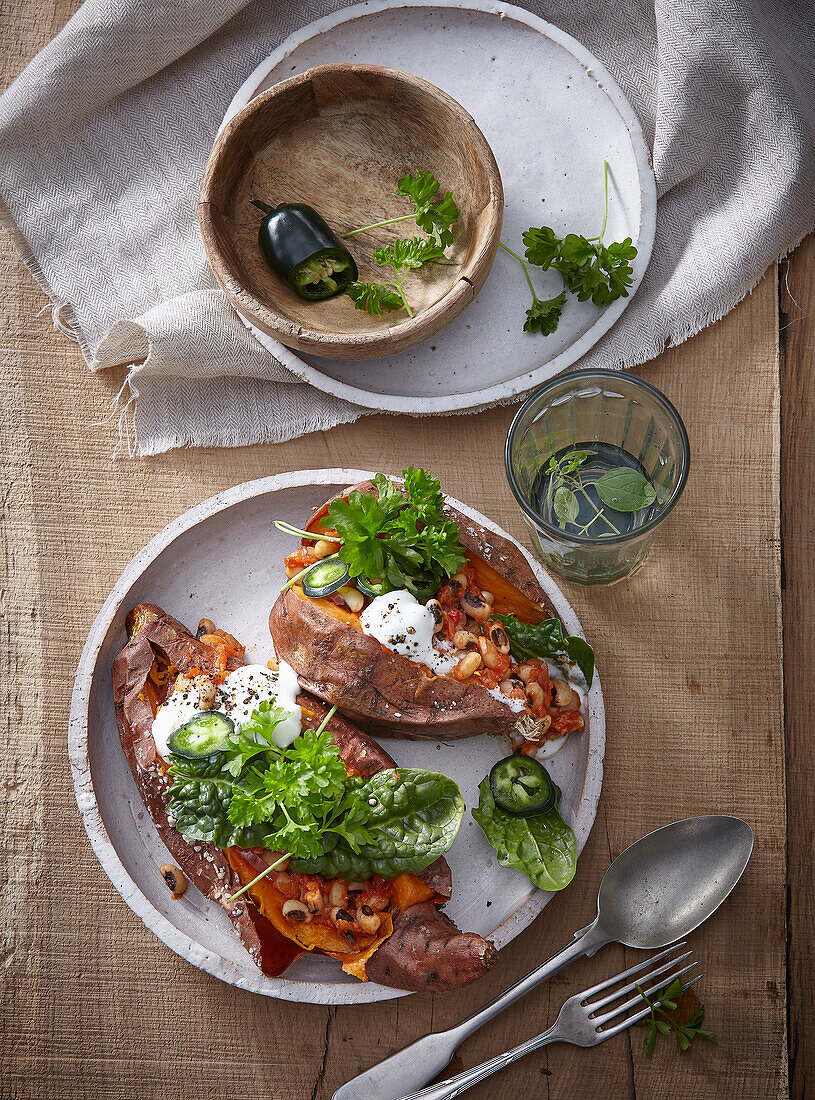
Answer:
(104, 135)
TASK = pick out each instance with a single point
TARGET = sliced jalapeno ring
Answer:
(369, 588)
(324, 578)
(203, 735)
(521, 786)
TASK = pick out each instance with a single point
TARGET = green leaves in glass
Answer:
(625, 490)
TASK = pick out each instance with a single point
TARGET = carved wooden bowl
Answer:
(339, 137)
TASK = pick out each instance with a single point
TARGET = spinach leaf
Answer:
(199, 801)
(542, 847)
(625, 490)
(547, 639)
(413, 818)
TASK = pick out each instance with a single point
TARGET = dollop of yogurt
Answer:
(239, 696)
(401, 623)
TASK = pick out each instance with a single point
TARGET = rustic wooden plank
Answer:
(685, 651)
(798, 547)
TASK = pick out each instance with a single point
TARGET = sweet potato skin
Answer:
(385, 692)
(428, 953)
(208, 867)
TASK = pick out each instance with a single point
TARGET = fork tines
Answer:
(651, 980)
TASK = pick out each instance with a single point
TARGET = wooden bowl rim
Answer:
(408, 331)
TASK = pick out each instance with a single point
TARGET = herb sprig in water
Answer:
(621, 489)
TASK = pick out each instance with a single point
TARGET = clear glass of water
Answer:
(596, 460)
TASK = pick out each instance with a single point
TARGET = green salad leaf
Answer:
(300, 800)
(543, 847)
(403, 540)
(413, 819)
(547, 639)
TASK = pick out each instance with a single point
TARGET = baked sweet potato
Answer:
(381, 690)
(159, 649)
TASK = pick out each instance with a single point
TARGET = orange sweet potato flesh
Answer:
(384, 692)
(158, 642)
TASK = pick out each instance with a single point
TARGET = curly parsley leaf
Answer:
(434, 218)
(590, 269)
(411, 254)
(544, 314)
(374, 297)
(403, 540)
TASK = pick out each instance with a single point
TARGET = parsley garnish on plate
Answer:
(300, 803)
(589, 268)
(405, 541)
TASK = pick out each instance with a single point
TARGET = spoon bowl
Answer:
(662, 887)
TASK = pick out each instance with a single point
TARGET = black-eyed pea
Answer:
(561, 692)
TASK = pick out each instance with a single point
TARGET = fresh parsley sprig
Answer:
(403, 540)
(435, 218)
(589, 268)
(662, 1019)
(402, 256)
(544, 314)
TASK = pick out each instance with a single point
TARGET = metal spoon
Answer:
(655, 892)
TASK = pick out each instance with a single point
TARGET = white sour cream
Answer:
(401, 623)
(239, 696)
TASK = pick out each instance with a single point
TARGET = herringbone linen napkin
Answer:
(104, 136)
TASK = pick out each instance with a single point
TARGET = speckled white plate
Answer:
(551, 113)
(223, 560)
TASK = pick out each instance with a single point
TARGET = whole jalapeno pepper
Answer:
(302, 249)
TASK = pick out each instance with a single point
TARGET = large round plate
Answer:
(551, 113)
(223, 559)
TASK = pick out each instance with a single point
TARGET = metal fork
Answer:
(581, 1020)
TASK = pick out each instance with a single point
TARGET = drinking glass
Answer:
(608, 408)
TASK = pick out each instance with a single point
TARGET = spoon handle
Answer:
(585, 942)
(411, 1068)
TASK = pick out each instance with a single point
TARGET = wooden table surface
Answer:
(706, 663)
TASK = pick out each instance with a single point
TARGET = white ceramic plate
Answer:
(223, 560)
(551, 113)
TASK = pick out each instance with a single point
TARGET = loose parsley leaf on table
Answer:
(403, 541)
(662, 1019)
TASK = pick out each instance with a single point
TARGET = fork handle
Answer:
(446, 1090)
